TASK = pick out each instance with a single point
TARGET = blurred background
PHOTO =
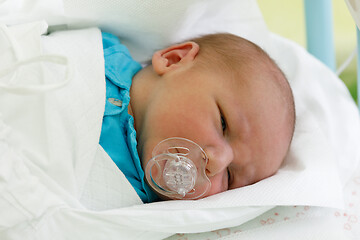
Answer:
(287, 18)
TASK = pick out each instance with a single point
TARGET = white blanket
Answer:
(55, 180)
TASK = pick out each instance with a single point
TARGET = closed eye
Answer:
(229, 177)
(222, 120)
(223, 123)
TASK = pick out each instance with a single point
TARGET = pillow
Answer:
(24, 11)
(146, 27)
(143, 26)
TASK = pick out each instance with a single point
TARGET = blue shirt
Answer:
(118, 136)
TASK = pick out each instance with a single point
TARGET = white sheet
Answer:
(71, 190)
(161, 21)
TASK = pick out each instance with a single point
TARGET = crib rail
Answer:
(358, 67)
(320, 35)
(319, 31)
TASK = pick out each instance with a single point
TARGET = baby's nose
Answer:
(219, 159)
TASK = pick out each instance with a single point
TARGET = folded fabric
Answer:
(49, 151)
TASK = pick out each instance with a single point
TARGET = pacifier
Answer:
(177, 169)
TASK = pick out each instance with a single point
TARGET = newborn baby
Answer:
(220, 91)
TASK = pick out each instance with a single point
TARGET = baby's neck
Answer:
(140, 92)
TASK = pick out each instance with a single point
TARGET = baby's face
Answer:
(240, 124)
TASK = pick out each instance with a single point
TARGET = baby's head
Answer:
(224, 93)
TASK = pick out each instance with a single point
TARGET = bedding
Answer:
(306, 221)
(51, 153)
(162, 22)
(297, 222)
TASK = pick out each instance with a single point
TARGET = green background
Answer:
(275, 11)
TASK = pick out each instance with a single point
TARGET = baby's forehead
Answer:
(251, 69)
(260, 87)
(250, 76)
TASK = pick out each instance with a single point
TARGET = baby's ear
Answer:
(174, 56)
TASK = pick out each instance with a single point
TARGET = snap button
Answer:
(115, 102)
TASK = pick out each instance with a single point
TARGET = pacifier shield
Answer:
(177, 169)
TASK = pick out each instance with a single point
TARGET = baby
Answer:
(220, 91)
